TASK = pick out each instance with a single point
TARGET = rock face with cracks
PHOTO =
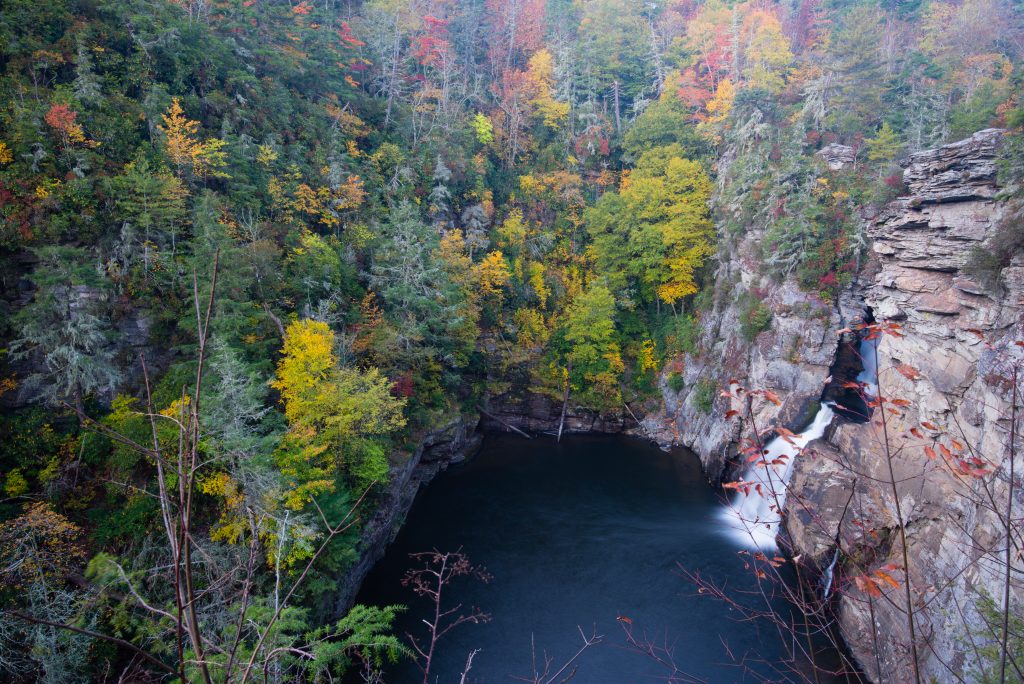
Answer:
(951, 360)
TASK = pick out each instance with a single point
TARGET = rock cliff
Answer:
(538, 414)
(958, 339)
(438, 449)
(792, 358)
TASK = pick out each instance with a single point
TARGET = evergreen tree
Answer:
(63, 333)
(884, 146)
(408, 276)
(440, 196)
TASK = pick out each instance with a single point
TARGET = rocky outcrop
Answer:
(791, 358)
(950, 361)
(947, 363)
(838, 156)
(131, 336)
(536, 413)
(438, 449)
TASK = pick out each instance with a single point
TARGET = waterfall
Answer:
(829, 576)
(869, 375)
(753, 518)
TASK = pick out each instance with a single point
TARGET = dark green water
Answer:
(579, 534)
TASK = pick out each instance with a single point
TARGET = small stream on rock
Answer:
(582, 533)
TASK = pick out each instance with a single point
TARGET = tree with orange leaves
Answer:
(189, 155)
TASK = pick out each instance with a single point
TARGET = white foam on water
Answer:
(753, 517)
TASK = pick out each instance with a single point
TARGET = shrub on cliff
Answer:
(755, 317)
(985, 264)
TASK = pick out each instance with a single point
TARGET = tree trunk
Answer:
(565, 404)
(618, 116)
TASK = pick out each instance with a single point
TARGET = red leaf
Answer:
(908, 371)
(866, 585)
(887, 578)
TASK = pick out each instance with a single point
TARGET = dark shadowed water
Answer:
(578, 534)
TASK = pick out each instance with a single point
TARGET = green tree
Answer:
(408, 275)
(884, 146)
(335, 415)
(149, 206)
(652, 236)
(855, 99)
(614, 50)
(593, 357)
(483, 129)
(327, 280)
(63, 332)
(664, 122)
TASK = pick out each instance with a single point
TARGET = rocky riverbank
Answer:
(438, 449)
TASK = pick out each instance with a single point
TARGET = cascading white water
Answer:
(829, 575)
(753, 517)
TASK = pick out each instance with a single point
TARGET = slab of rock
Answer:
(957, 172)
(838, 156)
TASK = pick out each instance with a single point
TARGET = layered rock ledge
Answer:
(959, 340)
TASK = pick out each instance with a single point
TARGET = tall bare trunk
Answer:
(565, 403)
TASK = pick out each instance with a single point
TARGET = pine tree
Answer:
(86, 86)
(884, 146)
(149, 205)
(474, 225)
(440, 196)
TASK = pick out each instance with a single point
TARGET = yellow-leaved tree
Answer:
(338, 418)
(650, 238)
(541, 72)
(188, 154)
(768, 57)
(718, 108)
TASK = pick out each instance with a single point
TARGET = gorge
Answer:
(697, 322)
(955, 334)
(949, 328)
